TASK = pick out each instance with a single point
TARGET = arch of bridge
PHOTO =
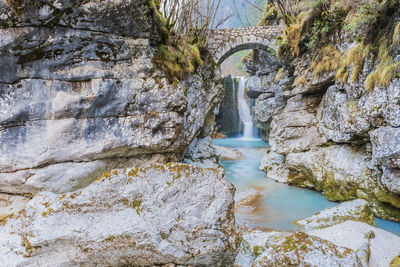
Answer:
(224, 42)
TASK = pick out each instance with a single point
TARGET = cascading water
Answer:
(234, 118)
(249, 131)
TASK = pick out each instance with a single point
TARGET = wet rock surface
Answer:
(163, 214)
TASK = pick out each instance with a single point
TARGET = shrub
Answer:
(177, 61)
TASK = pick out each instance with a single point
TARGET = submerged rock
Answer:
(356, 210)
(291, 249)
(354, 235)
(165, 214)
(227, 153)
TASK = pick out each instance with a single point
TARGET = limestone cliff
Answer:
(331, 106)
(79, 95)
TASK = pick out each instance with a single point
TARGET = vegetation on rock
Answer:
(185, 35)
(370, 24)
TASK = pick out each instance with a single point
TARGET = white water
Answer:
(244, 110)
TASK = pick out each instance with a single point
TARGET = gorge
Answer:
(122, 145)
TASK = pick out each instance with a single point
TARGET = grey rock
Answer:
(273, 164)
(337, 170)
(201, 153)
(131, 18)
(294, 128)
(340, 117)
(363, 254)
(354, 235)
(253, 87)
(391, 179)
(356, 210)
(80, 95)
(386, 146)
(291, 249)
(164, 214)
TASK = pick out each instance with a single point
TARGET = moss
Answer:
(48, 212)
(395, 262)
(388, 197)
(160, 20)
(107, 175)
(177, 61)
(269, 15)
(136, 205)
(258, 250)
(133, 172)
(110, 238)
(28, 246)
(280, 74)
(290, 41)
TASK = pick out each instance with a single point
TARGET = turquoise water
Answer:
(277, 205)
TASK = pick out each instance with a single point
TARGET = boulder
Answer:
(164, 214)
(291, 249)
(273, 164)
(384, 246)
(356, 210)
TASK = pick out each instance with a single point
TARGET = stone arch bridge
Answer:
(222, 43)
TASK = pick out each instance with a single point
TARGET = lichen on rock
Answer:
(142, 216)
(356, 210)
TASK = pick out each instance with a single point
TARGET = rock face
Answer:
(228, 119)
(291, 249)
(334, 136)
(164, 214)
(356, 210)
(80, 96)
(384, 246)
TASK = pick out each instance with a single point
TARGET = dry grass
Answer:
(354, 57)
(385, 72)
(396, 34)
(326, 61)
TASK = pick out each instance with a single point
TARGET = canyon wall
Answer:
(330, 131)
(80, 95)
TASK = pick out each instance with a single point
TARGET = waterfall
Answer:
(244, 111)
(234, 117)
